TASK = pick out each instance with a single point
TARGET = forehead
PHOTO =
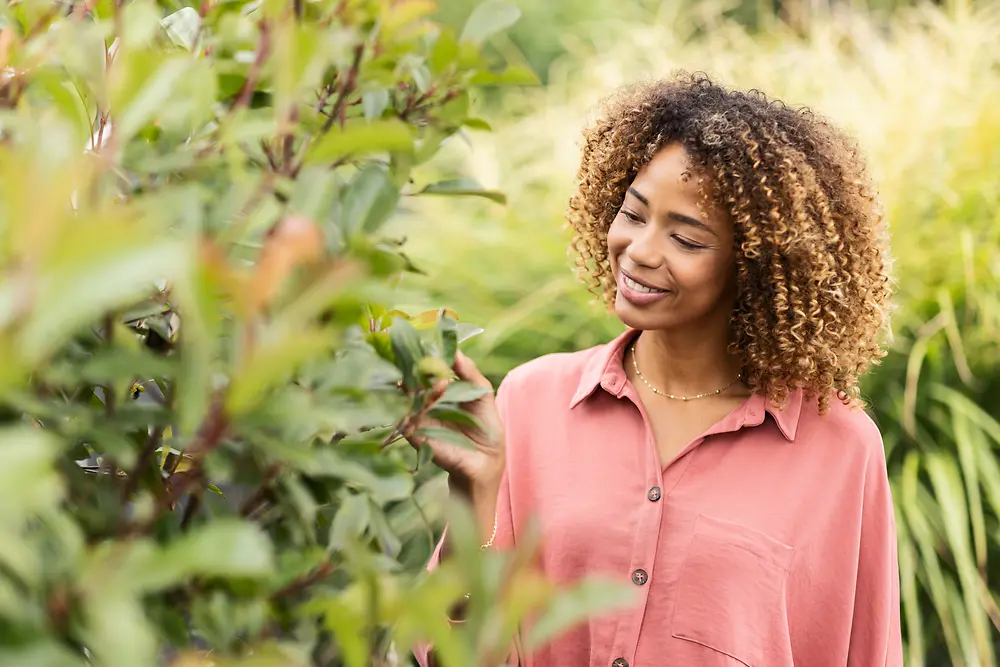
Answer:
(669, 174)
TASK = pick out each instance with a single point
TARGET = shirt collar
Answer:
(605, 370)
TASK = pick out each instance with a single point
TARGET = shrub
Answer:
(204, 387)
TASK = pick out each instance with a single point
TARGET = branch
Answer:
(145, 457)
(178, 484)
(346, 88)
(109, 338)
(194, 503)
(260, 493)
(263, 50)
(303, 582)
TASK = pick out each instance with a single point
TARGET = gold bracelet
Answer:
(493, 536)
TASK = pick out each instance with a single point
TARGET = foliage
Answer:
(932, 142)
(553, 29)
(204, 390)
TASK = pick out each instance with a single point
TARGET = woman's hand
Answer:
(477, 468)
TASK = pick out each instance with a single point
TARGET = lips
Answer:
(637, 292)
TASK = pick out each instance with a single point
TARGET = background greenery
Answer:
(205, 395)
(920, 86)
(203, 383)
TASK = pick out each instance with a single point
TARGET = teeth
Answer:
(641, 288)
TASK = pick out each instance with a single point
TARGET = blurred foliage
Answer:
(922, 93)
(555, 28)
(204, 390)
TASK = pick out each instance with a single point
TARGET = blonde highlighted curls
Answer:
(812, 255)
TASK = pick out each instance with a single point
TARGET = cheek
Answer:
(617, 240)
(708, 274)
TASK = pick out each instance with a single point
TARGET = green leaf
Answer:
(28, 480)
(448, 329)
(452, 416)
(369, 200)
(446, 435)
(407, 351)
(577, 604)
(351, 521)
(225, 548)
(514, 75)
(489, 18)
(463, 392)
(383, 532)
(463, 187)
(154, 91)
(467, 331)
(315, 192)
(41, 654)
(477, 124)
(445, 51)
(361, 138)
(100, 266)
(272, 364)
(374, 103)
(183, 27)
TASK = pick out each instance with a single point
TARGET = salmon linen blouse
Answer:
(769, 541)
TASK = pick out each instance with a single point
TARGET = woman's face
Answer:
(673, 262)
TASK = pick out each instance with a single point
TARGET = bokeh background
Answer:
(919, 85)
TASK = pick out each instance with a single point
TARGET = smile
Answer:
(639, 287)
(638, 294)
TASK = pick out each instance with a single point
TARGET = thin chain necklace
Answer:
(638, 373)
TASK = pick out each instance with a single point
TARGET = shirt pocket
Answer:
(731, 589)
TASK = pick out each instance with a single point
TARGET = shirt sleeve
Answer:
(424, 653)
(875, 630)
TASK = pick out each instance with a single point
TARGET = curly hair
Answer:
(811, 245)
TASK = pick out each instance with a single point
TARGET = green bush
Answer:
(922, 94)
(204, 389)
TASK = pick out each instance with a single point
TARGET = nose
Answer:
(644, 251)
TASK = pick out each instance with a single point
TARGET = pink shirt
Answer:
(769, 541)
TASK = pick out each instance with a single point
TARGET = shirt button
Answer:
(620, 662)
(654, 494)
(639, 577)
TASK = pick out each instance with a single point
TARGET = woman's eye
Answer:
(684, 243)
(631, 216)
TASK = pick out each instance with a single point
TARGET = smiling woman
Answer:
(716, 454)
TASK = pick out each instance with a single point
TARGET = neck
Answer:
(686, 362)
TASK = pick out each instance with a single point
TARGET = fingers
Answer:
(468, 372)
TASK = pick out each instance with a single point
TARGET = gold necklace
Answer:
(638, 373)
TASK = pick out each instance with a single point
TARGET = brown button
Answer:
(639, 577)
(620, 662)
(654, 494)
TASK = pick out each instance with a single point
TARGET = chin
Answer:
(642, 319)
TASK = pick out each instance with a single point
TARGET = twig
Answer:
(346, 88)
(263, 50)
(179, 484)
(269, 154)
(110, 397)
(145, 458)
(194, 503)
(260, 493)
(303, 582)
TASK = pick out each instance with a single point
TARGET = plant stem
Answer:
(263, 50)
(145, 458)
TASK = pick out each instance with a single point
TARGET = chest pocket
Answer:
(731, 589)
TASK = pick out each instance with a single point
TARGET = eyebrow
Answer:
(674, 215)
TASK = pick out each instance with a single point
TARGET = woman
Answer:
(716, 455)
